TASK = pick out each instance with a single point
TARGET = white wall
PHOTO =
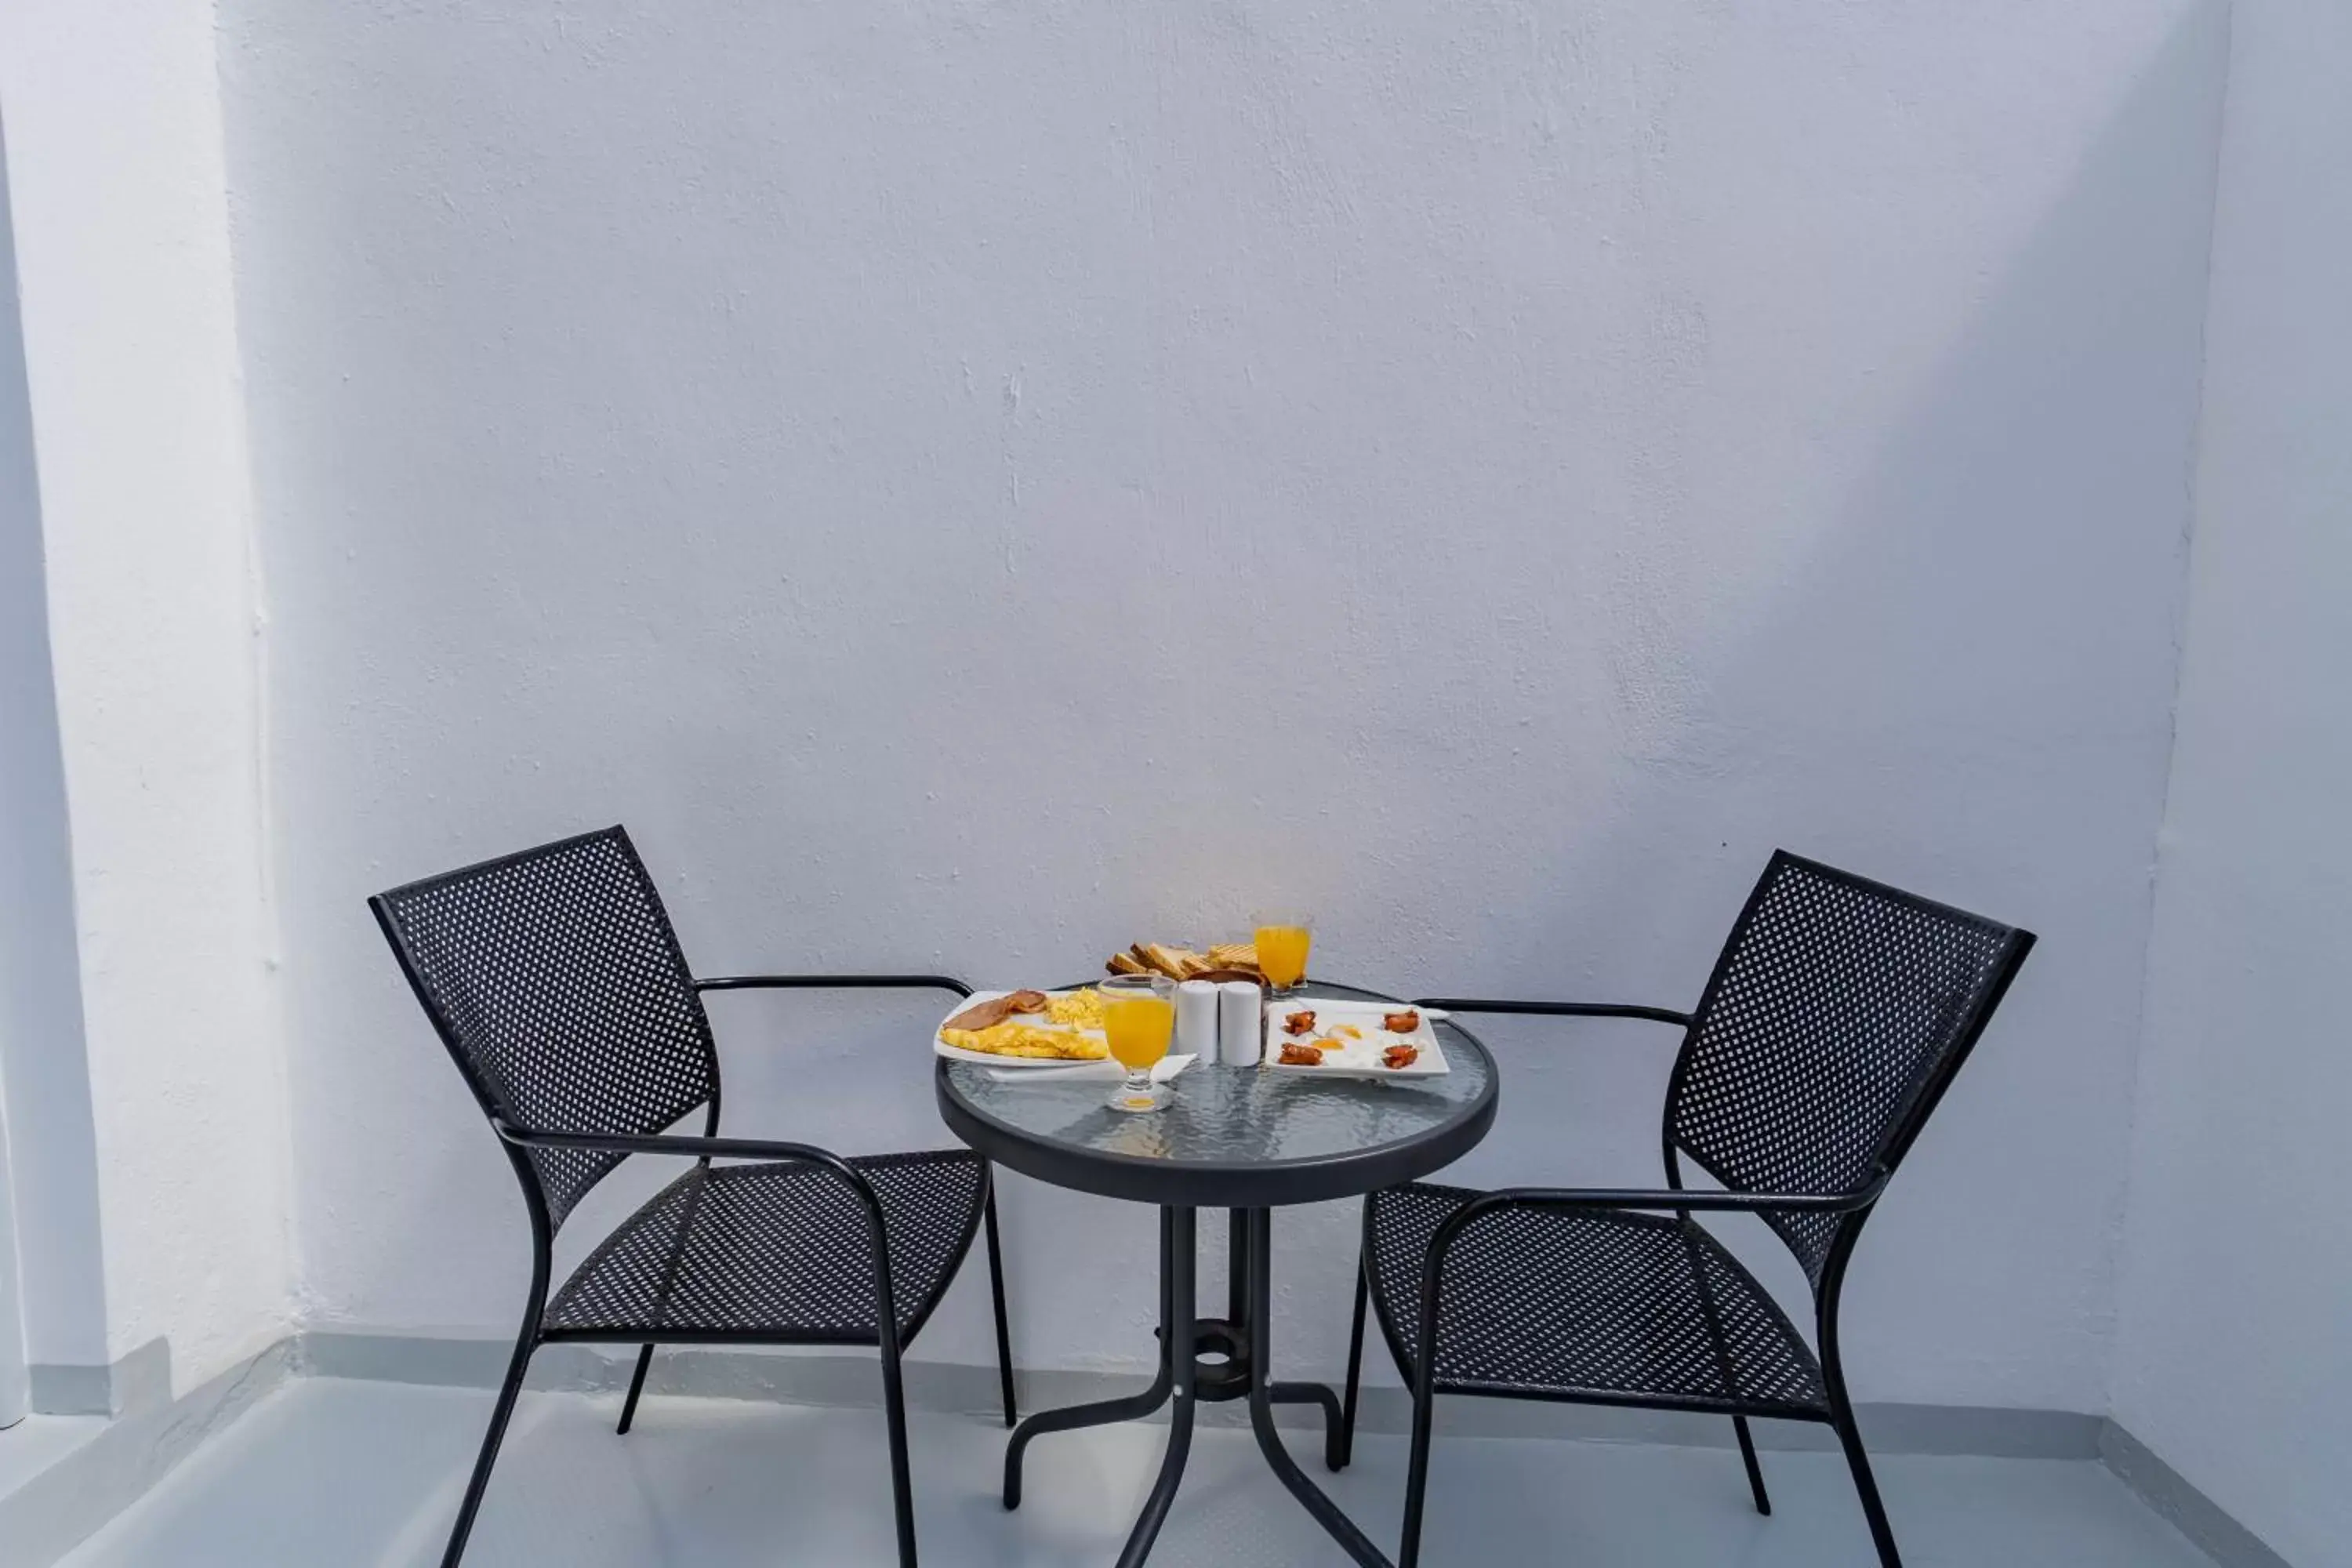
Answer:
(51, 1183)
(898, 459)
(2233, 1360)
(116, 187)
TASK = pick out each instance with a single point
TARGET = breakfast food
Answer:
(1223, 961)
(979, 1016)
(1075, 1009)
(1343, 1038)
(1041, 1024)
(1008, 1039)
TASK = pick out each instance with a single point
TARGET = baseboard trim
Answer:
(49, 1516)
(851, 1380)
(140, 1381)
(2216, 1532)
(70, 1501)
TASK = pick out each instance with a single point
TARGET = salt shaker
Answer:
(1196, 1020)
(1240, 1024)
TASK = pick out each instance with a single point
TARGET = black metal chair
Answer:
(556, 982)
(1834, 1020)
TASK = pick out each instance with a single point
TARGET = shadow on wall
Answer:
(1964, 688)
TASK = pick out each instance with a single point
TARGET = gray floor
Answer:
(37, 1442)
(329, 1472)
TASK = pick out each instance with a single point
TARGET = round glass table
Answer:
(1249, 1142)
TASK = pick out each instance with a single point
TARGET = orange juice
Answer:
(1138, 1028)
(1282, 954)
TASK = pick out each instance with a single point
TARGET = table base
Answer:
(1216, 1360)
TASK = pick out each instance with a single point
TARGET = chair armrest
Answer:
(1558, 1009)
(834, 983)
(679, 1144)
(1644, 1199)
(876, 1234)
(1433, 1268)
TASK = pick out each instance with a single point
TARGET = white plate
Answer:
(1357, 1058)
(982, 1059)
(1103, 1071)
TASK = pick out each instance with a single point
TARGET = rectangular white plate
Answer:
(957, 1054)
(1358, 1058)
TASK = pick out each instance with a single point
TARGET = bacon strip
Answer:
(983, 1014)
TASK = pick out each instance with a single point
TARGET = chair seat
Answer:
(1604, 1306)
(777, 1253)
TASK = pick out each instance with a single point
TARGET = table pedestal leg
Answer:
(1177, 1350)
(1243, 1339)
(1334, 1448)
(1133, 1406)
(1265, 1393)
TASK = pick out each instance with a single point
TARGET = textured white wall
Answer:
(120, 219)
(2234, 1359)
(973, 484)
(51, 1184)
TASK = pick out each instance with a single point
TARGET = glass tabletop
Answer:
(1238, 1137)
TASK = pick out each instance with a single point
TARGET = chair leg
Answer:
(637, 1386)
(1882, 1534)
(1755, 1471)
(1355, 1372)
(902, 1485)
(996, 1295)
(501, 1413)
(1416, 1481)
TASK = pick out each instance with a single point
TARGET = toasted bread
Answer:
(1168, 961)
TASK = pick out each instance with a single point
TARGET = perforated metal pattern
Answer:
(555, 978)
(1598, 1303)
(1835, 1004)
(778, 1252)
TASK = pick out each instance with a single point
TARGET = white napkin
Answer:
(1106, 1070)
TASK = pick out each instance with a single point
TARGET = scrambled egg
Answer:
(1077, 1009)
(1028, 1040)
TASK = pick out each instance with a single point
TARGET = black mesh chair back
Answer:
(1836, 1017)
(554, 979)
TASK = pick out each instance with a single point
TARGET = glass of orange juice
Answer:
(1282, 943)
(1139, 1017)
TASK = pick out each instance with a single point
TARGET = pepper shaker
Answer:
(1240, 1024)
(1196, 1020)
